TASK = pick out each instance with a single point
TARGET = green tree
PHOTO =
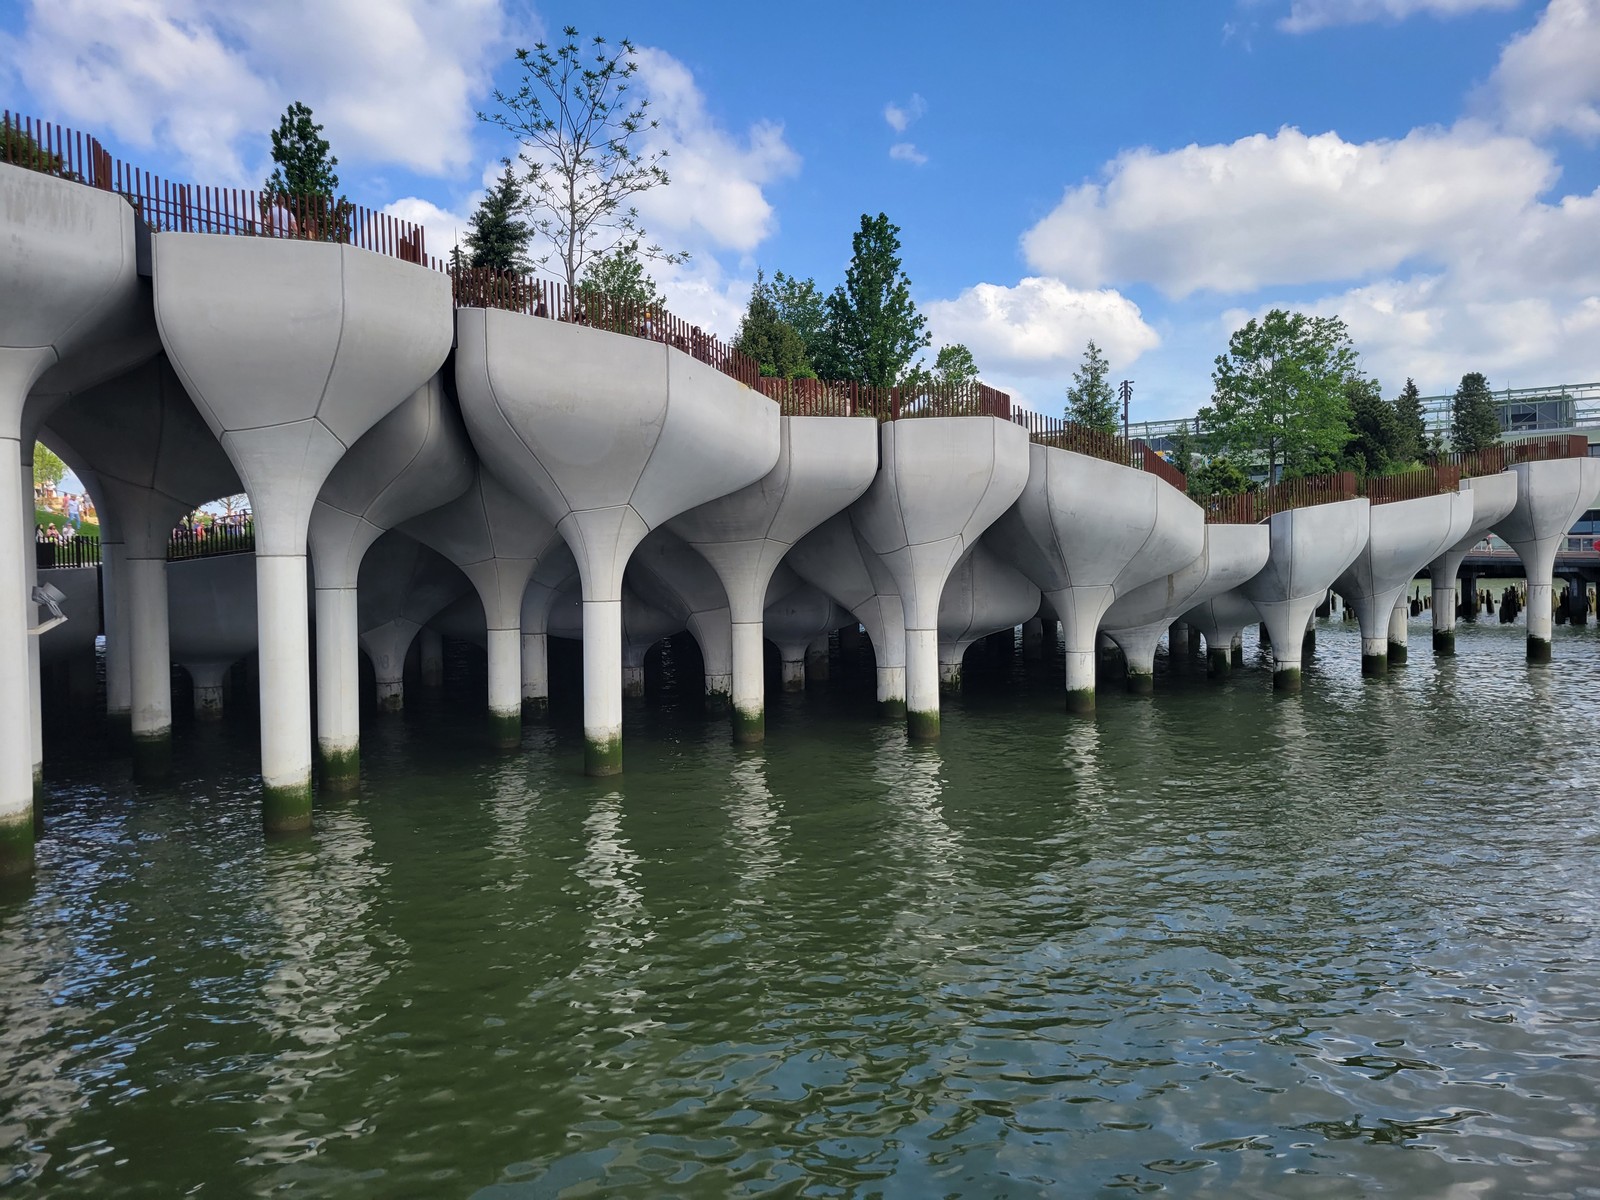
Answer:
(1090, 400)
(47, 465)
(804, 309)
(21, 150)
(1412, 441)
(1374, 445)
(304, 166)
(496, 239)
(952, 367)
(1218, 476)
(766, 337)
(620, 276)
(1182, 448)
(1278, 393)
(875, 325)
(580, 131)
(1474, 420)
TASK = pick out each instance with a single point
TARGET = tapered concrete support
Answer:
(151, 665)
(1236, 649)
(415, 459)
(797, 617)
(1086, 531)
(292, 351)
(950, 659)
(1399, 633)
(943, 481)
(671, 578)
(387, 645)
(555, 577)
(535, 674)
(432, 663)
(1230, 556)
(984, 595)
(119, 663)
(1550, 497)
(1311, 547)
(1493, 498)
(505, 688)
(208, 679)
(817, 662)
(824, 464)
(608, 437)
(602, 687)
(1402, 538)
(834, 558)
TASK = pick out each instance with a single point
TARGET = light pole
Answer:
(1126, 392)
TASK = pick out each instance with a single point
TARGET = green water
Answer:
(1211, 943)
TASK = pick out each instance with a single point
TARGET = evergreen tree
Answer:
(1474, 420)
(1374, 444)
(875, 327)
(1411, 444)
(304, 166)
(804, 309)
(766, 337)
(496, 238)
(1218, 476)
(1182, 449)
(1090, 400)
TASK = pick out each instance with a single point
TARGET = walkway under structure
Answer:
(502, 461)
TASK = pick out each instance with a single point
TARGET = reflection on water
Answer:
(1219, 942)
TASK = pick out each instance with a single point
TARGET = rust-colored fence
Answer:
(1080, 439)
(193, 208)
(829, 398)
(1494, 459)
(1247, 508)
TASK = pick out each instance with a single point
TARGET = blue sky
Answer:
(1148, 174)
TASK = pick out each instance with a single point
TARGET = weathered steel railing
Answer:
(192, 208)
(1080, 439)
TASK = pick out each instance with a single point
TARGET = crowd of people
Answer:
(76, 507)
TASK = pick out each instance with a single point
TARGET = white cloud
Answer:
(1039, 326)
(210, 77)
(1548, 78)
(1287, 208)
(907, 152)
(900, 117)
(700, 293)
(1308, 15)
(716, 198)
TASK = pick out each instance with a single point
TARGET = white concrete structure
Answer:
(1493, 498)
(211, 607)
(942, 481)
(69, 266)
(1311, 547)
(1088, 531)
(824, 464)
(556, 574)
(414, 459)
(1550, 497)
(292, 350)
(796, 615)
(1403, 537)
(402, 585)
(983, 595)
(1221, 621)
(608, 437)
(1232, 556)
(671, 577)
(643, 625)
(497, 541)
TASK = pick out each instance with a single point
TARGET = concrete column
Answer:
(817, 665)
(1177, 641)
(386, 646)
(1469, 593)
(891, 683)
(1399, 632)
(535, 674)
(1033, 640)
(602, 687)
(151, 667)
(338, 687)
(1550, 497)
(1236, 649)
(950, 669)
(391, 695)
(208, 682)
(119, 667)
(1444, 616)
(794, 673)
(505, 687)
(748, 683)
(432, 659)
(285, 691)
(16, 613)
(922, 683)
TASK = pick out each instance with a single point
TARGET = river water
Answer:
(1212, 943)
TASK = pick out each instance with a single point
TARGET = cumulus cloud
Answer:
(1548, 78)
(1287, 208)
(900, 116)
(907, 152)
(209, 78)
(1039, 326)
(1306, 16)
(717, 197)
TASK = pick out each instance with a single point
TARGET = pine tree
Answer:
(1090, 400)
(303, 165)
(1411, 441)
(874, 323)
(1474, 420)
(1374, 445)
(496, 239)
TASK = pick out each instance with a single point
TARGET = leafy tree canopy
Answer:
(1411, 445)
(1090, 400)
(1474, 420)
(952, 367)
(304, 166)
(496, 238)
(769, 339)
(875, 325)
(1375, 439)
(804, 309)
(1278, 394)
(47, 465)
(619, 275)
(1218, 476)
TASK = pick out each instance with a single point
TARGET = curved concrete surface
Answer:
(291, 351)
(824, 464)
(671, 576)
(1311, 547)
(609, 437)
(643, 625)
(796, 615)
(1493, 498)
(415, 458)
(942, 482)
(1402, 538)
(497, 541)
(556, 573)
(1550, 497)
(834, 558)
(983, 595)
(211, 606)
(1087, 531)
(402, 585)
(1232, 556)
(69, 267)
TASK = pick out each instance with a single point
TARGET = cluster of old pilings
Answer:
(416, 467)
